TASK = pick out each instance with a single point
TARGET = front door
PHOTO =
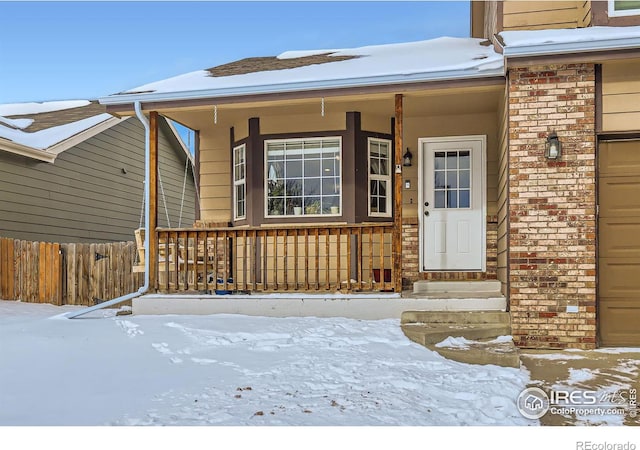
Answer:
(452, 206)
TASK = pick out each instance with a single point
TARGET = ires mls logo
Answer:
(577, 397)
(533, 403)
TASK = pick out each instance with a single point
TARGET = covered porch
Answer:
(310, 192)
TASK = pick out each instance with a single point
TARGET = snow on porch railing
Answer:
(346, 258)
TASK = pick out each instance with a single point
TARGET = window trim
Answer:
(612, 12)
(388, 178)
(266, 178)
(242, 182)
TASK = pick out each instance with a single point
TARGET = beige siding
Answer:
(241, 130)
(458, 125)
(503, 194)
(85, 196)
(302, 122)
(520, 15)
(215, 176)
(621, 96)
(375, 123)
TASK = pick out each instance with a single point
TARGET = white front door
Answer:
(452, 205)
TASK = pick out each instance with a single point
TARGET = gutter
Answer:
(147, 171)
(571, 47)
(304, 86)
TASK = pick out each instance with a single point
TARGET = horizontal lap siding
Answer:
(621, 96)
(519, 15)
(215, 176)
(84, 196)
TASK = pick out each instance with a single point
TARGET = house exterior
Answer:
(70, 172)
(377, 167)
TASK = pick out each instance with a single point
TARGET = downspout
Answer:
(147, 173)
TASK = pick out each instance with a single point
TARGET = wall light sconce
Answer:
(407, 158)
(553, 148)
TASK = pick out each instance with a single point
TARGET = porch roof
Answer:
(423, 61)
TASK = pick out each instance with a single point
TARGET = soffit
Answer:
(456, 101)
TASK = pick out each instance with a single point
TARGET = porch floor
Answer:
(365, 306)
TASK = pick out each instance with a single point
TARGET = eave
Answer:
(29, 152)
(157, 101)
(546, 49)
(51, 153)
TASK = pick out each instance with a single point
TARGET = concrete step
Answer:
(429, 328)
(463, 288)
(504, 354)
(481, 351)
(429, 334)
(455, 317)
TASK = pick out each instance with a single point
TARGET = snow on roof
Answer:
(16, 123)
(43, 139)
(441, 58)
(574, 39)
(20, 109)
(304, 53)
(49, 123)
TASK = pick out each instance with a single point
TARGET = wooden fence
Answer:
(66, 274)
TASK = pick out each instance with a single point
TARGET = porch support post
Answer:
(153, 201)
(397, 198)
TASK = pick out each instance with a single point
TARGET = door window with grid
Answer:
(452, 179)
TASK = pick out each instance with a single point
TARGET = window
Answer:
(623, 8)
(303, 177)
(379, 177)
(452, 179)
(240, 182)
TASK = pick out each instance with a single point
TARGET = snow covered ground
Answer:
(236, 370)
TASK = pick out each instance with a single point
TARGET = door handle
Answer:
(426, 203)
(426, 213)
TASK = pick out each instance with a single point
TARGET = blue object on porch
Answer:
(223, 291)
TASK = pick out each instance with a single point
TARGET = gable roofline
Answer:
(23, 150)
(76, 139)
(50, 154)
(182, 144)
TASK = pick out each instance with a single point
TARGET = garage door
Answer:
(619, 243)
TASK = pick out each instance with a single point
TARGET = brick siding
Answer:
(552, 222)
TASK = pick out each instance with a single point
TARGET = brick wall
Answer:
(411, 257)
(410, 253)
(552, 231)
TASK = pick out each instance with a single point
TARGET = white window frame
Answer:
(266, 177)
(621, 13)
(241, 182)
(375, 177)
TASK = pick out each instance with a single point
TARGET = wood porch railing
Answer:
(346, 258)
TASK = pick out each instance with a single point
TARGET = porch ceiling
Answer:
(475, 100)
